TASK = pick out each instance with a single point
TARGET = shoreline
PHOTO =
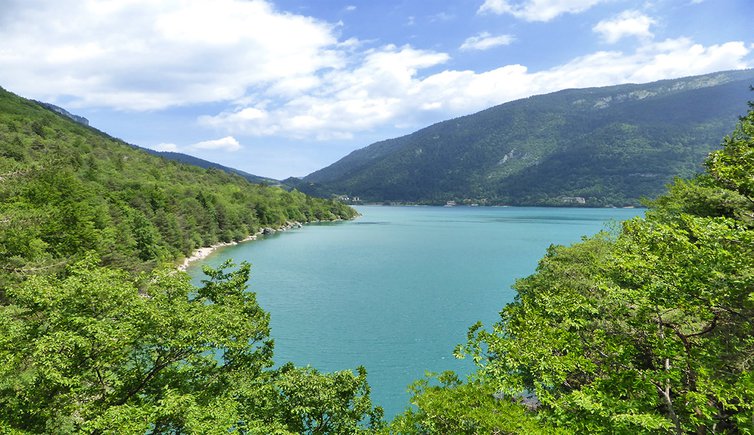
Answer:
(205, 251)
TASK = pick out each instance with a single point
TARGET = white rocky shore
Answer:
(204, 252)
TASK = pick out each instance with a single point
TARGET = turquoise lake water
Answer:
(397, 289)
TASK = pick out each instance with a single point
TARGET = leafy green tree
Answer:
(94, 346)
(732, 167)
(649, 330)
(453, 407)
(306, 401)
(98, 352)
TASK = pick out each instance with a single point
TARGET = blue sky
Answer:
(283, 88)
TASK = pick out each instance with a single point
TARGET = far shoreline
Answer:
(206, 251)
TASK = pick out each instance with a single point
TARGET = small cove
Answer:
(396, 289)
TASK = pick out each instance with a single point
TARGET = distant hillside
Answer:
(178, 157)
(60, 111)
(195, 161)
(593, 147)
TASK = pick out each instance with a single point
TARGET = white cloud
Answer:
(350, 8)
(166, 147)
(627, 23)
(377, 91)
(655, 61)
(145, 55)
(536, 10)
(311, 86)
(485, 41)
(682, 57)
(227, 143)
(387, 88)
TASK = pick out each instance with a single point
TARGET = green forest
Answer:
(68, 189)
(645, 329)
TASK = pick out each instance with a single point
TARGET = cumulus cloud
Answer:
(311, 86)
(485, 41)
(377, 91)
(145, 55)
(388, 89)
(654, 61)
(227, 143)
(536, 10)
(627, 23)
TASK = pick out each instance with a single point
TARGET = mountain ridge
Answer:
(170, 155)
(608, 145)
(67, 188)
(206, 164)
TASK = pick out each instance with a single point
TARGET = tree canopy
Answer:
(646, 330)
(98, 331)
(100, 352)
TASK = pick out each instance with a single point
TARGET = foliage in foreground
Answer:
(97, 352)
(453, 407)
(96, 337)
(650, 330)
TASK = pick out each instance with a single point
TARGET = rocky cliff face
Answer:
(67, 114)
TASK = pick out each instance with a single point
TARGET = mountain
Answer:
(594, 147)
(196, 161)
(60, 111)
(170, 155)
(68, 190)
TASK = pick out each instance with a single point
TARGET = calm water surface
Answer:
(397, 289)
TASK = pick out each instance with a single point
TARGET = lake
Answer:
(397, 289)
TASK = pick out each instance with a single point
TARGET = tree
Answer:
(650, 330)
(97, 352)
(309, 402)
(453, 407)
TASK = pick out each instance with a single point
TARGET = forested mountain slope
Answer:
(67, 189)
(170, 155)
(99, 333)
(195, 161)
(610, 146)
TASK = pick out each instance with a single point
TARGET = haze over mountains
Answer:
(596, 147)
